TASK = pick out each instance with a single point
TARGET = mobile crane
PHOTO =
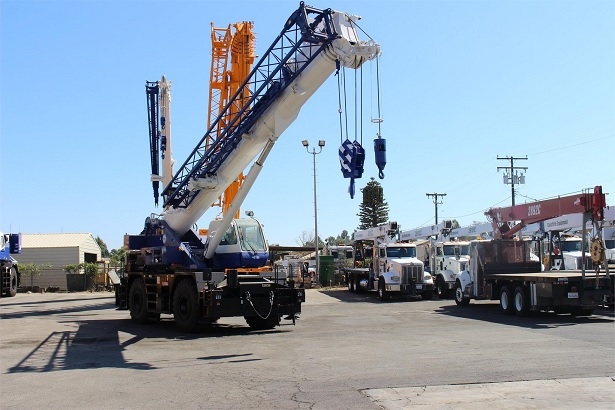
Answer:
(168, 268)
(393, 266)
(505, 268)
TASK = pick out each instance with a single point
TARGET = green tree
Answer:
(117, 256)
(373, 210)
(104, 251)
(32, 270)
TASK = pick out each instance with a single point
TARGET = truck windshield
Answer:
(464, 250)
(571, 246)
(401, 252)
(449, 250)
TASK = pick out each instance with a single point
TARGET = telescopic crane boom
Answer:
(592, 203)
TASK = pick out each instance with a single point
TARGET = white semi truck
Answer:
(447, 254)
(387, 266)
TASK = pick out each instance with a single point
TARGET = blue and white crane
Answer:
(168, 268)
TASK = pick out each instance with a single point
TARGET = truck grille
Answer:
(411, 273)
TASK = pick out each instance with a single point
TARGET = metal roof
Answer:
(55, 240)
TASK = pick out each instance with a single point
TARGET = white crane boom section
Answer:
(346, 49)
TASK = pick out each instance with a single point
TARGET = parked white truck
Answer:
(447, 255)
(384, 265)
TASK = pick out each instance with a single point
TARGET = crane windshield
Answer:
(251, 235)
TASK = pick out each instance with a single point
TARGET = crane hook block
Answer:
(352, 157)
(380, 149)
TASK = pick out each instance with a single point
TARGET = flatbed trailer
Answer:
(521, 286)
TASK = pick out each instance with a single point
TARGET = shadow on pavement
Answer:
(101, 343)
(534, 320)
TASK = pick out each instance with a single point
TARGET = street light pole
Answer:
(321, 143)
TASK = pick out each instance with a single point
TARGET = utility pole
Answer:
(514, 177)
(435, 202)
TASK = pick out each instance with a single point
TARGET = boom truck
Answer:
(9, 269)
(168, 269)
(446, 254)
(505, 268)
(393, 268)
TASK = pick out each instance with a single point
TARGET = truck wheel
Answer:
(427, 295)
(506, 301)
(441, 289)
(258, 323)
(13, 285)
(350, 284)
(521, 302)
(137, 301)
(186, 306)
(460, 299)
(357, 286)
(382, 292)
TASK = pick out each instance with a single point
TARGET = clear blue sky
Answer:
(463, 82)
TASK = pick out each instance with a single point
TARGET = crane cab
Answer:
(242, 246)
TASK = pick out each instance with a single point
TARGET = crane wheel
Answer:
(137, 301)
(186, 306)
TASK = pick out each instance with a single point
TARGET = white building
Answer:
(56, 250)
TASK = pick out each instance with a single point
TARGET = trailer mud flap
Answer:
(533, 295)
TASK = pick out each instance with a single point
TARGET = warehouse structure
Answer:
(55, 251)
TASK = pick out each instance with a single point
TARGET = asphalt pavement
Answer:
(347, 351)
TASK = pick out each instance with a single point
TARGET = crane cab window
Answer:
(251, 235)
(230, 237)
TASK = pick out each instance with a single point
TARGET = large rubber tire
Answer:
(258, 323)
(383, 295)
(137, 301)
(357, 287)
(186, 306)
(521, 301)
(460, 299)
(441, 289)
(506, 300)
(12, 291)
(350, 284)
(427, 295)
